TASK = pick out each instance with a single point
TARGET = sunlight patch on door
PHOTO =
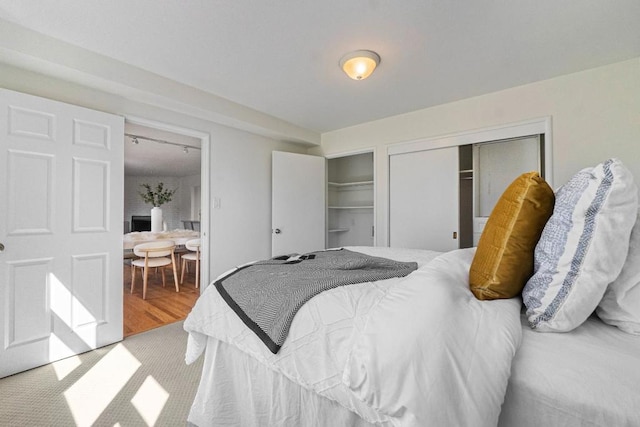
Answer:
(149, 400)
(93, 393)
(65, 306)
(60, 299)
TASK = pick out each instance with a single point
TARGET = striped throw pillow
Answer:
(582, 247)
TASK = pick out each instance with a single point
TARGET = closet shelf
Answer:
(350, 207)
(337, 230)
(349, 184)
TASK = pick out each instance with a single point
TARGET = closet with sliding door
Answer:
(350, 200)
(441, 192)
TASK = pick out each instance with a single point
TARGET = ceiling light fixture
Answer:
(359, 64)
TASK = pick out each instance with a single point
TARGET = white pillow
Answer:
(582, 247)
(620, 305)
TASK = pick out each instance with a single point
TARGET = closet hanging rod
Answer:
(160, 141)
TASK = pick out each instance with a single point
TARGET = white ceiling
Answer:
(152, 158)
(281, 58)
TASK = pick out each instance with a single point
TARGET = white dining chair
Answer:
(193, 256)
(153, 254)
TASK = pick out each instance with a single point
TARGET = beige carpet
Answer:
(139, 382)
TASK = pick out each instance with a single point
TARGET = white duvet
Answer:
(413, 351)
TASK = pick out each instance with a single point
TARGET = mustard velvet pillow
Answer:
(503, 261)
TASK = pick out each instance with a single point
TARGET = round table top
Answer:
(180, 237)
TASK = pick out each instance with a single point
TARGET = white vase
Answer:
(156, 219)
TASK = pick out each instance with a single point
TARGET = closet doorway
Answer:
(351, 199)
(157, 154)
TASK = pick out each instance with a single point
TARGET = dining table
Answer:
(179, 237)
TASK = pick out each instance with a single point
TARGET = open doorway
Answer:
(155, 155)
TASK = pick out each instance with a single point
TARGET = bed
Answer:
(330, 334)
(423, 349)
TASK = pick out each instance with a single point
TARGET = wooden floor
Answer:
(162, 306)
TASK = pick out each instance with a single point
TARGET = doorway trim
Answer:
(205, 173)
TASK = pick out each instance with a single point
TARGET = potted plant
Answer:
(156, 197)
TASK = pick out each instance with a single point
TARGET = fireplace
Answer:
(141, 223)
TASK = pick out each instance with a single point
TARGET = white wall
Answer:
(595, 115)
(241, 181)
(186, 184)
(240, 165)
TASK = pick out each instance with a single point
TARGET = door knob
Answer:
(1, 247)
(277, 231)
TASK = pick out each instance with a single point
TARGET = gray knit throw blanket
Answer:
(267, 295)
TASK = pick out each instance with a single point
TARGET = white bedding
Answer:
(432, 354)
(333, 349)
(588, 377)
(237, 390)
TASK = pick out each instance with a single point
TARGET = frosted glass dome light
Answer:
(359, 64)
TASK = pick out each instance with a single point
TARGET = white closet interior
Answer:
(496, 165)
(350, 200)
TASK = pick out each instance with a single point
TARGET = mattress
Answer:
(587, 377)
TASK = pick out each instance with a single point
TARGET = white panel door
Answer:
(423, 199)
(61, 198)
(298, 203)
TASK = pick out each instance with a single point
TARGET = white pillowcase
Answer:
(582, 247)
(620, 305)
